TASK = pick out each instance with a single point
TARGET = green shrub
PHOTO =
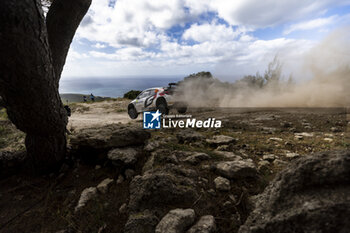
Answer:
(131, 94)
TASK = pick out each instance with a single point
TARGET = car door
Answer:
(149, 100)
(140, 100)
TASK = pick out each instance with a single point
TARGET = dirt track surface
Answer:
(86, 115)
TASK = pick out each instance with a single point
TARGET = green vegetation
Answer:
(132, 94)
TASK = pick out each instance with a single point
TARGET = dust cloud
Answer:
(329, 66)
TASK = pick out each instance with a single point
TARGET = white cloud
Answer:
(135, 35)
(210, 32)
(311, 24)
(99, 46)
(131, 22)
(261, 14)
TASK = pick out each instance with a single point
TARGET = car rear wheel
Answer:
(132, 113)
(163, 107)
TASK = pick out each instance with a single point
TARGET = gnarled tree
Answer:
(33, 51)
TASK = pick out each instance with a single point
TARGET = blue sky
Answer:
(178, 37)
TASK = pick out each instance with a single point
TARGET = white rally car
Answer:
(157, 98)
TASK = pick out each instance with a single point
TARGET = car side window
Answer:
(143, 94)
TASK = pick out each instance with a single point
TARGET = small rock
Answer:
(279, 162)
(152, 145)
(212, 192)
(123, 208)
(129, 173)
(292, 155)
(97, 167)
(176, 221)
(276, 139)
(328, 139)
(238, 168)
(298, 137)
(126, 155)
(141, 222)
(329, 135)
(304, 134)
(227, 154)
(85, 196)
(223, 148)
(263, 165)
(120, 179)
(222, 184)
(218, 140)
(196, 158)
(269, 157)
(335, 130)
(206, 224)
(104, 185)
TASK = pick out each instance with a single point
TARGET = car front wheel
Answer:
(132, 113)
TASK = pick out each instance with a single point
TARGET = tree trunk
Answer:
(28, 81)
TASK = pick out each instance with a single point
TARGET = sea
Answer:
(113, 87)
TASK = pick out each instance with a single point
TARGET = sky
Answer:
(229, 38)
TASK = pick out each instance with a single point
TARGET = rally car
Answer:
(156, 98)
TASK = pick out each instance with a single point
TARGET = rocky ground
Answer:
(121, 178)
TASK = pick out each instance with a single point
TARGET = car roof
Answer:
(153, 88)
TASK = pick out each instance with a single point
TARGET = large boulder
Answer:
(311, 195)
(107, 137)
(176, 221)
(127, 156)
(141, 222)
(157, 190)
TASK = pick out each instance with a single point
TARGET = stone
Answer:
(279, 163)
(304, 134)
(86, 195)
(160, 189)
(328, 139)
(206, 224)
(189, 135)
(227, 155)
(263, 165)
(151, 146)
(196, 158)
(127, 156)
(222, 184)
(218, 140)
(276, 139)
(310, 195)
(269, 157)
(292, 155)
(239, 168)
(104, 185)
(141, 222)
(335, 129)
(108, 137)
(176, 221)
(212, 192)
